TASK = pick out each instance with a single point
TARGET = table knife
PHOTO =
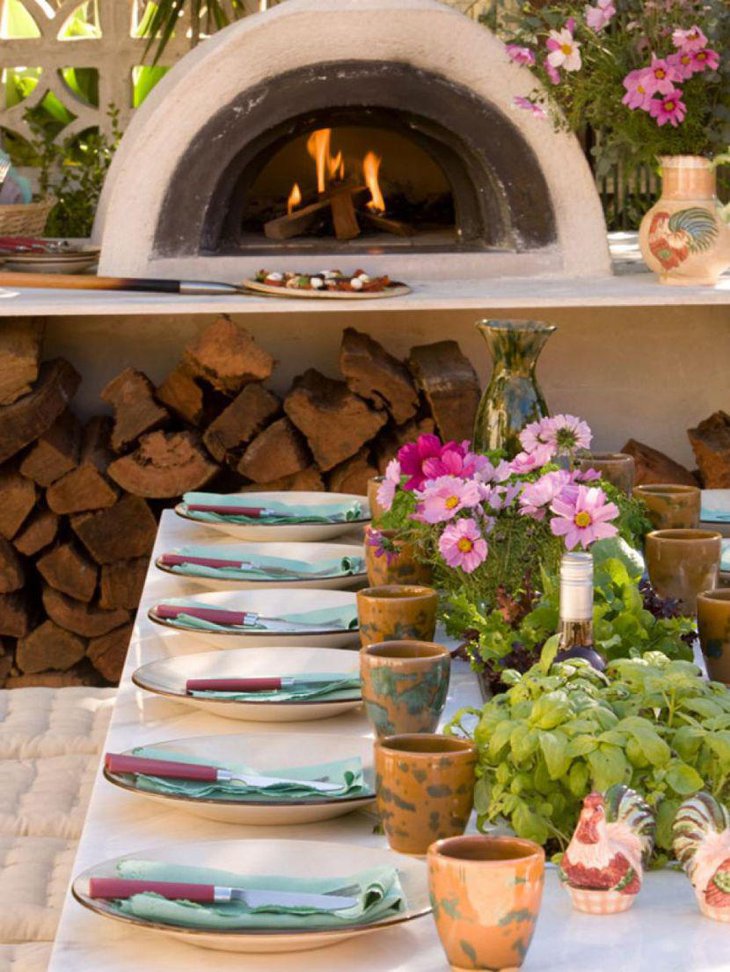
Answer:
(215, 894)
(179, 560)
(241, 619)
(254, 512)
(123, 763)
(271, 684)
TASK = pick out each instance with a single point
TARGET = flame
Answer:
(370, 169)
(328, 166)
(295, 197)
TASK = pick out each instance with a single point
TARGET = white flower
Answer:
(564, 50)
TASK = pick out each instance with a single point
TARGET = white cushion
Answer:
(35, 874)
(53, 722)
(27, 957)
(45, 797)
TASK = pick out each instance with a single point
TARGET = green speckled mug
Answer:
(396, 612)
(404, 685)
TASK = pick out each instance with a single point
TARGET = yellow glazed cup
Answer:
(398, 566)
(713, 623)
(671, 506)
(683, 563)
(396, 612)
(486, 894)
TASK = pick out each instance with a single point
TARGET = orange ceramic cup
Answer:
(713, 625)
(683, 564)
(486, 894)
(393, 562)
(396, 612)
(671, 506)
(424, 786)
(374, 484)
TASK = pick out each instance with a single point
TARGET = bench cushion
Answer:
(46, 797)
(53, 722)
(35, 874)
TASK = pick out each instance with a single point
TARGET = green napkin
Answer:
(347, 772)
(342, 688)
(380, 896)
(339, 618)
(281, 513)
(725, 555)
(336, 567)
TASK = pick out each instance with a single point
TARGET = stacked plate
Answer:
(69, 259)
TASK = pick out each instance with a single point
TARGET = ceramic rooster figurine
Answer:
(702, 845)
(604, 863)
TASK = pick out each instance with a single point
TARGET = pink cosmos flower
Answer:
(705, 60)
(564, 49)
(413, 456)
(455, 459)
(520, 55)
(683, 64)
(503, 496)
(586, 475)
(527, 462)
(637, 95)
(537, 496)
(670, 109)
(443, 498)
(386, 490)
(689, 40)
(536, 434)
(600, 15)
(552, 72)
(526, 105)
(583, 517)
(568, 432)
(660, 76)
(462, 545)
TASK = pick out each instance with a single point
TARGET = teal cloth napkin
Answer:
(347, 772)
(340, 618)
(714, 516)
(380, 896)
(282, 513)
(725, 555)
(342, 688)
(261, 564)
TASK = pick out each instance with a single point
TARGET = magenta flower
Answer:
(586, 475)
(583, 516)
(527, 462)
(599, 16)
(520, 55)
(386, 490)
(527, 105)
(683, 64)
(537, 496)
(689, 40)
(501, 497)
(462, 545)
(375, 539)
(568, 432)
(637, 95)
(670, 109)
(660, 76)
(552, 72)
(536, 434)
(414, 455)
(705, 60)
(443, 498)
(455, 459)
(564, 48)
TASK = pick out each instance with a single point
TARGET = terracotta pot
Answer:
(486, 894)
(425, 788)
(713, 623)
(404, 685)
(617, 468)
(396, 612)
(683, 563)
(376, 510)
(393, 567)
(671, 506)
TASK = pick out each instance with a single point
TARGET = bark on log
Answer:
(122, 584)
(377, 376)
(653, 466)
(17, 499)
(30, 416)
(165, 465)
(124, 531)
(20, 348)
(228, 357)
(280, 450)
(96, 443)
(39, 531)
(12, 574)
(710, 443)
(450, 384)
(352, 475)
(131, 395)
(335, 422)
(55, 453)
(308, 480)
(16, 614)
(190, 399)
(82, 489)
(68, 570)
(107, 652)
(241, 421)
(49, 646)
(87, 620)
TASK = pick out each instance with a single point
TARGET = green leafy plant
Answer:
(562, 731)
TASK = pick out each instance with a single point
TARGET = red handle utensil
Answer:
(252, 511)
(177, 560)
(121, 763)
(126, 887)
(234, 684)
(168, 612)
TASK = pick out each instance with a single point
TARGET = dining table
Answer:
(663, 931)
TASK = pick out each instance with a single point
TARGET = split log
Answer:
(388, 444)
(385, 224)
(182, 394)
(280, 450)
(12, 574)
(377, 376)
(124, 531)
(82, 489)
(68, 570)
(48, 646)
(108, 652)
(55, 453)
(710, 443)
(30, 416)
(244, 418)
(131, 395)
(308, 480)
(165, 465)
(227, 356)
(17, 499)
(122, 583)
(335, 422)
(87, 620)
(653, 466)
(302, 220)
(16, 614)
(96, 443)
(344, 218)
(39, 531)
(450, 384)
(352, 475)
(20, 349)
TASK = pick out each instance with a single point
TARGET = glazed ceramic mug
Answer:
(391, 561)
(683, 563)
(616, 468)
(396, 612)
(486, 894)
(671, 506)
(424, 787)
(713, 623)
(374, 484)
(404, 685)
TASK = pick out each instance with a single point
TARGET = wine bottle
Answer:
(576, 610)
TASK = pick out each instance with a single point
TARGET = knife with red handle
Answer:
(178, 560)
(257, 684)
(119, 888)
(254, 512)
(169, 612)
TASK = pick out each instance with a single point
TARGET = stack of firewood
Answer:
(79, 502)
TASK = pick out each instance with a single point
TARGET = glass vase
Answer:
(512, 398)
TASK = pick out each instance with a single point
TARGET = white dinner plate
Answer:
(286, 531)
(312, 553)
(296, 858)
(169, 676)
(270, 603)
(267, 756)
